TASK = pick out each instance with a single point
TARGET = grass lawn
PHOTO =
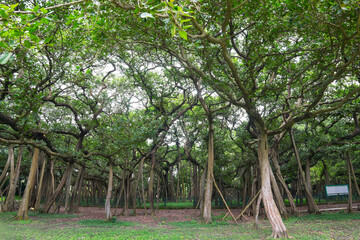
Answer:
(41, 226)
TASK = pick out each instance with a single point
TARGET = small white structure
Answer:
(334, 190)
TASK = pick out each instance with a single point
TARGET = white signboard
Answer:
(334, 190)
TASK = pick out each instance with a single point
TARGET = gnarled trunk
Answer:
(272, 212)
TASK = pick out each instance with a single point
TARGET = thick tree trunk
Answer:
(40, 185)
(202, 192)
(51, 200)
(210, 170)
(313, 208)
(272, 212)
(108, 194)
(10, 199)
(24, 206)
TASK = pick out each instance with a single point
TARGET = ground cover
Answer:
(173, 224)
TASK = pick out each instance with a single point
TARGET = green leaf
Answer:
(185, 20)
(13, 6)
(3, 14)
(36, 8)
(43, 10)
(173, 30)
(4, 58)
(183, 34)
(146, 15)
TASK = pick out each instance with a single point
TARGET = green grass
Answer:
(41, 226)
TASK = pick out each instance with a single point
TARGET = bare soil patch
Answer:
(168, 215)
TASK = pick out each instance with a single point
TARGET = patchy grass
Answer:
(40, 226)
(105, 223)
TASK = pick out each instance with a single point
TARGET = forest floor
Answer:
(89, 223)
(180, 215)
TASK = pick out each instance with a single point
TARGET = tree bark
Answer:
(272, 212)
(108, 194)
(210, 171)
(202, 192)
(24, 206)
(313, 208)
